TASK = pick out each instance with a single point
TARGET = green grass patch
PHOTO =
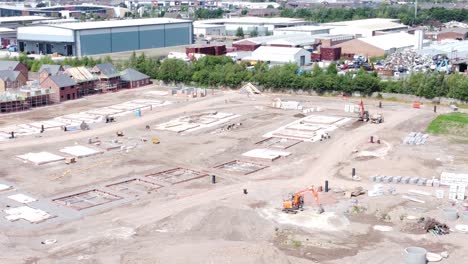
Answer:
(296, 243)
(451, 124)
(462, 106)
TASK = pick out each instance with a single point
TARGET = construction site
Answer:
(156, 176)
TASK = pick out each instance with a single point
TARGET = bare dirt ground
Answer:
(200, 222)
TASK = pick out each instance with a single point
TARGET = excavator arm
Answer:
(297, 200)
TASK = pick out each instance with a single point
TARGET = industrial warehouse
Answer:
(90, 38)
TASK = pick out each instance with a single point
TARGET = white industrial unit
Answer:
(365, 27)
(208, 30)
(280, 55)
(309, 30)
(262, 25)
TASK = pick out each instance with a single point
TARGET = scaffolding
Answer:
(110, 84)
(16, 100)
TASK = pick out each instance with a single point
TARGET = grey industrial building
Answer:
(90, 38)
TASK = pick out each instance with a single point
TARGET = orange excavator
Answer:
(296, 202)
(363, 114)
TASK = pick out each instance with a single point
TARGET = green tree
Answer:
(240, 32)
(331, 69)
(174, 70)
(254, 32)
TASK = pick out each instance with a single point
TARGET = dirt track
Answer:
(197, 222)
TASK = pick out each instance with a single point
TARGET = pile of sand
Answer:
(219, 222)
(309, 218)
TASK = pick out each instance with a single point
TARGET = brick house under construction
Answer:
(11, 80)
(86, 81)
(63, 87)
(109, 77)
(24, 99)
(14, 66)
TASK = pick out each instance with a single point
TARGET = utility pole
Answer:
(415, 9)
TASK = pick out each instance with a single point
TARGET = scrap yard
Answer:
(148, 176)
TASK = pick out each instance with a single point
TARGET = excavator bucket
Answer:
(287, 205)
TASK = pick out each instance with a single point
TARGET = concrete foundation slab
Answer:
(80, 151)
(21, 198)
(87, 199)
(310, 128)
(27, 213)
(177, 175)
(243, 167)
(134, 187)
(4, 187)
(40, 158)
(157, 93)
(196, 122)
(266, 154)
(281, 143)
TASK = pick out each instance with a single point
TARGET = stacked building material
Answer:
(415, 138)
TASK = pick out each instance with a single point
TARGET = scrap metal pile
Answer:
(409, 61)
(435, 227)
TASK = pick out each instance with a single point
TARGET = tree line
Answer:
(404, 13)
(222, 71)
(35, 64)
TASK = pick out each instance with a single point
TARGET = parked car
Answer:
(13, 48)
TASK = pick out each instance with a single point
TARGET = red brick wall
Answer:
(23, 69)
(136, 84)
(246, 47)
(59, 94)
(359, 47)
(450, 35)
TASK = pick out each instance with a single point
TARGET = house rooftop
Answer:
(79, 74)
(50, 68)
(62, 80)
(130, 75)
(8, 65)
(106, 69)
(9, 75)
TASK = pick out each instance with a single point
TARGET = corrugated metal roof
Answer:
(22, 18)
(263, 40)
(275, 54)
(253, 20)
(453, 49)
(120, 23)
(304, 28)
(130, 75)
(373, 24)
(6, 30)
(362, 22)
(293, 40)
(392, 40)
